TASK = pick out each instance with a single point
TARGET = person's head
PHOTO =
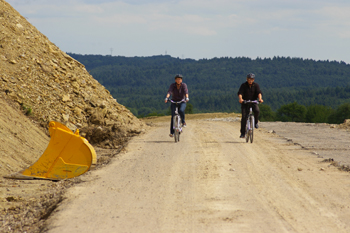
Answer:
(250, 78)
(178, 78)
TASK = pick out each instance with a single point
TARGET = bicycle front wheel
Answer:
(176, 128)
(247, 130)
(252, 128)
(176, 136)
(179, 129)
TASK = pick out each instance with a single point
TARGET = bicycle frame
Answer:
(250, 121)
(177, 121)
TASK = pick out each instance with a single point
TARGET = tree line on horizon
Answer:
(141, 83)
(294, 112)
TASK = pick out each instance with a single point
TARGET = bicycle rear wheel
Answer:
(252, 128)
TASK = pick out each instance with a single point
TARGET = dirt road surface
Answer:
(211, 181)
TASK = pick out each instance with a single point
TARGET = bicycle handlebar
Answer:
(250, 102)
(177, 102)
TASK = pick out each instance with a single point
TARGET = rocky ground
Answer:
(213, 181)
(50, 85)
(40, 83)
(25, 204)
(330, 142)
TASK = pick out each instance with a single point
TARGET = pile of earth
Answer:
(50, 85)
(345, 125)
(39, 83)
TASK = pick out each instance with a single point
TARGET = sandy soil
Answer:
(212, 181)
(326, 141)
(26, 204)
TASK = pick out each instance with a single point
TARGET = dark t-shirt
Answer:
(178, 94)
(249, 93)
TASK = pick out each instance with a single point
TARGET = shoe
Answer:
(171, 135)
(256, 125)
(184, 124)
(242, 136)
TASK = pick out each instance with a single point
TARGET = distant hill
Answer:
(140, 83)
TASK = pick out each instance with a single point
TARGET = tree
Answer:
(134, 111)
(318, 114)
(213, 83)
(291, 112)
(189, 108)
(342, 113)
(266, 113)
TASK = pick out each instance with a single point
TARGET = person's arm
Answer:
(170, 91)
(240, 98)
(186, 91)
(240, 94)
(260, 93)
(167, 97)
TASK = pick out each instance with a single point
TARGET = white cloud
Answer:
(88, 9)
(121, 20)
(198, 28)
(336, 18)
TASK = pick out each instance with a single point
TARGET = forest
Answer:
(141, 83)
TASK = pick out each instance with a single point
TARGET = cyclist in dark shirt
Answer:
(249, 91)
(178, 91)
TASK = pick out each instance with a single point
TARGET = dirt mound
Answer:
(345, 125)
(51, 85)
(40, 83)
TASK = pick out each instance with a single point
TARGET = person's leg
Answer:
(182, 108)
(244, 118)
(256, 111)
(172, 107)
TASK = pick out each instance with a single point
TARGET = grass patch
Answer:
(26, 109)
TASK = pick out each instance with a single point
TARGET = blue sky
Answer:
(309, 29)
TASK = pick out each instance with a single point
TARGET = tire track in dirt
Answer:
(211, 181)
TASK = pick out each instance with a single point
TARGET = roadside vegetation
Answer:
(295, 112)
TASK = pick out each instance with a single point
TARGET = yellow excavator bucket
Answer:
(68, 155)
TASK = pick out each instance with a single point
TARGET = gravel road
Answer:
(322, 139)
(213, 181)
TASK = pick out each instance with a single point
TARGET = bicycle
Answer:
(249, 128)
(177, 126)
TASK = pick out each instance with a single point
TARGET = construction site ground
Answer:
(292, 178)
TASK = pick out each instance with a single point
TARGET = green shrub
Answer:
(318, 113)
(266, 113)
(292, 112)
(339, 115)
